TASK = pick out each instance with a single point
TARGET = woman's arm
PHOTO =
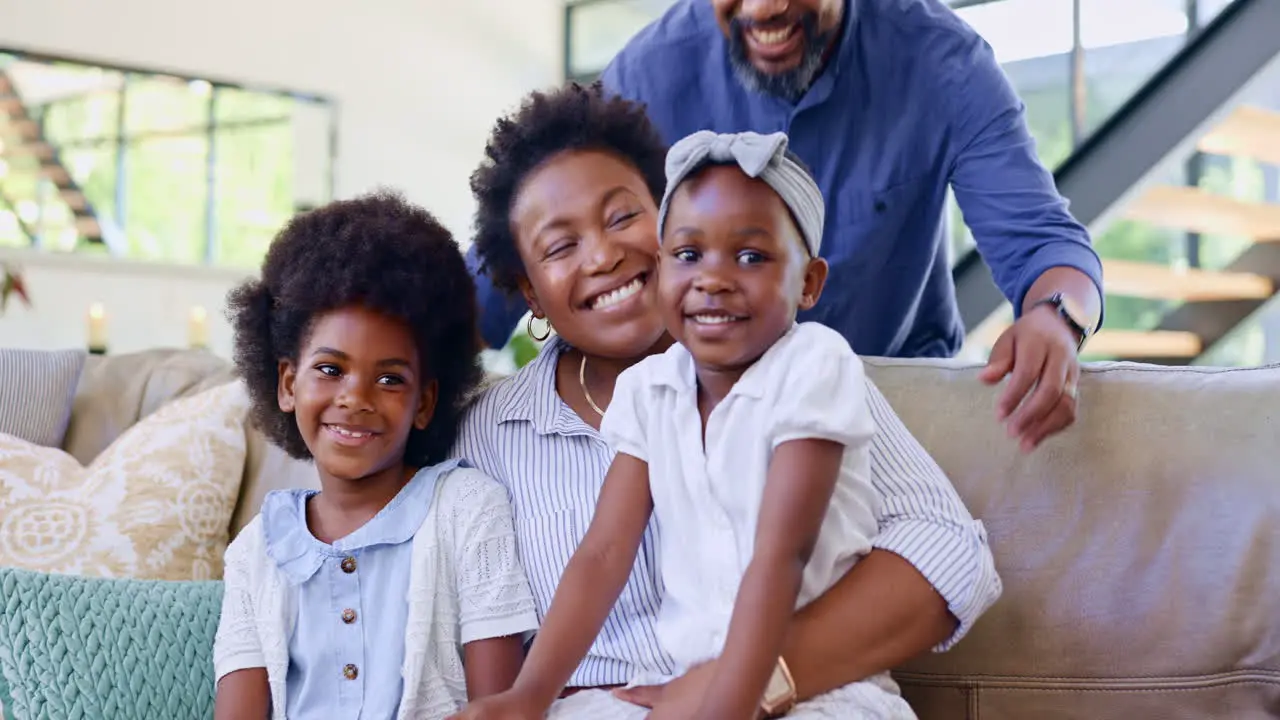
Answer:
(929, 578)
(591, 582)
(879, 615)
(801, 478)
(242, 695)
(492, 664)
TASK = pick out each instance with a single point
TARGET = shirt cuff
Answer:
(523, 624)
(955, 559)
(224, 666)
(1080, 257)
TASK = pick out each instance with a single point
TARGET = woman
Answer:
(567, 217)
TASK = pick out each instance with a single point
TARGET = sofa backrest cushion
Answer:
(1139, 550)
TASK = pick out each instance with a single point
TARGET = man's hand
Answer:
(509, 705)
(680, 698)
(1038, 353)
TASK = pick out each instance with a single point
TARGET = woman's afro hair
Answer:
(573, 117)
(380, 252)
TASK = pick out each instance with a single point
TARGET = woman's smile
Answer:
(619, 297)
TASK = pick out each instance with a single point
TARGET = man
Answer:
(889, 102)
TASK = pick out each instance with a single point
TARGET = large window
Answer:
(151, 166)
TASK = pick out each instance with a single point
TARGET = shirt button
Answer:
(348, 565)
(350, 672)
(348, 616)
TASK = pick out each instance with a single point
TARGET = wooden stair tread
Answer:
(1196, 210)
(1144, 344)
(56, 173)
(1249, 131)
(1162, 282)
(87, 226)
(74, 199)
(37, 149)
(1114, 343)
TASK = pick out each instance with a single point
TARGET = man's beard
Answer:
(792, 84)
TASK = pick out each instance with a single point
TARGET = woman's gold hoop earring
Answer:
(534, 335)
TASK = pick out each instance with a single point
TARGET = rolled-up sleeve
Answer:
(1020, 223)
(924, 521)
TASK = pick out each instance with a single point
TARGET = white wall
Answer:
(146, 305)
(418, 86)
(419, 83)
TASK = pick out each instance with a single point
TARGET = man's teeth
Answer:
(713, 319)
(613, 297)
(772, 37)
(349, 433)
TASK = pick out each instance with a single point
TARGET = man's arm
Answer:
(928, 580)
(1019, 221)
(499, 313)
(1035, 249)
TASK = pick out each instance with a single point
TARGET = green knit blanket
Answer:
(110, 649)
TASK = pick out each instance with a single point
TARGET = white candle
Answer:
(198, 328)
(97, 327)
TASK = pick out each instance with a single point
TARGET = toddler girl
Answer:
(395, 590)
(749, 439)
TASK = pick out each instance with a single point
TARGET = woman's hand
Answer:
(510, 705)
(678, 699)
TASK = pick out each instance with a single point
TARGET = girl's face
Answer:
(357, 390)
(734, 269)
(585, 226)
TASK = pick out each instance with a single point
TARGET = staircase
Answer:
(1212, 101)
(1221, 299)
(1210, 302)
(30, 159)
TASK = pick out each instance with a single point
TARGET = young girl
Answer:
(395, 591)
(749, 440)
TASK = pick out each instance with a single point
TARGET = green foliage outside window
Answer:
(177, 171)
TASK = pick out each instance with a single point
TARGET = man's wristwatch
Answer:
(780, 693)
(1072, 314)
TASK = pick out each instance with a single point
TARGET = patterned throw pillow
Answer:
(36, 390)
(155, 504)
(75, 647)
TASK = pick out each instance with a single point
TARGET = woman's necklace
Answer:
(582, 380)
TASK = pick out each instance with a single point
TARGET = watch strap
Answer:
(780, 693)
(1058, 302)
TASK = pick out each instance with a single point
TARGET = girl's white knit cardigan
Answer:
(466, 584)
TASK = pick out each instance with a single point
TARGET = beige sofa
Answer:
(1140, 551)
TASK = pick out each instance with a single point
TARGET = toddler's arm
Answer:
(590, 586)
(242, 689)
(819, 413)
(802, 476)
(591, 583)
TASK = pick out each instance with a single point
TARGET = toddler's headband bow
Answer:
(759, 156)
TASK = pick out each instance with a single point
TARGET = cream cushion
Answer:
(155, 504)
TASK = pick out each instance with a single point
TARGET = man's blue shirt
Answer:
(912, 101)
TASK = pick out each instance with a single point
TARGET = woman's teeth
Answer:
(772, 37)
(613, 297)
